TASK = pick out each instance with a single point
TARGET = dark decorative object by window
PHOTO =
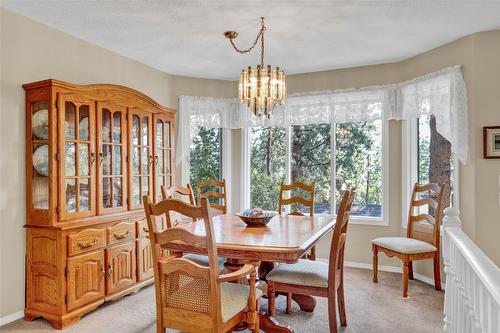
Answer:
(491, 142)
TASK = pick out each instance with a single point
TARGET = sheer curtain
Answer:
(442, 94)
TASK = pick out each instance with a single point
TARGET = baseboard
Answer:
(12, 317)
(391, 269)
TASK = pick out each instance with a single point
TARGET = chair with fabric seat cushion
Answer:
(203, 260)
(302, 273)
(191, 297)
(182, 193)
(404, 245)
(307, 277)
(299, 194)
(216, 189)
(422, 238)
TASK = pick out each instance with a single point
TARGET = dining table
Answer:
(285, 239)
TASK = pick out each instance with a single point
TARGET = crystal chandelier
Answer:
(261, 88)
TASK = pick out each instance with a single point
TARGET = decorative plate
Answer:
(41, 160)
(40, 124)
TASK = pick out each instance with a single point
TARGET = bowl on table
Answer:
(256, 217)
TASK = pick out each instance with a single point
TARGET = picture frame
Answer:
(491, 142)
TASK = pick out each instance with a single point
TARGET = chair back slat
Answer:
(425, 226)
(184, 287)
(339, 236)
(283, 201)
(423, 217)
(179, 264)
(204, 190)
(425, 201)
(174, 190)
(178, 234)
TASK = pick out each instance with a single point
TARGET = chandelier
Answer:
(261, 88)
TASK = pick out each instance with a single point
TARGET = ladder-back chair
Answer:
(422, 238)
(204, 189)
(178, 192)
(191, 297)
(314, 278)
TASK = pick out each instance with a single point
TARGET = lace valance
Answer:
(441, 94)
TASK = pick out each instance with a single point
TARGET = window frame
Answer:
(409, 172)
(383, 220)
(225, 152)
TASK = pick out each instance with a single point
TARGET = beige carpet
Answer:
(371, 308)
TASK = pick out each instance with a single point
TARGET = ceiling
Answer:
(186, 37)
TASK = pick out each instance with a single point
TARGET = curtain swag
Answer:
(442, 94)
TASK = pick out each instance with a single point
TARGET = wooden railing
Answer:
(472, 297)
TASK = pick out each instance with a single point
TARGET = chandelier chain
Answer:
(259, 35)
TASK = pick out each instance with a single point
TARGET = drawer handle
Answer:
(145, 229)
(122, 236)
(110, 270)
(103, 271)
(87, 245)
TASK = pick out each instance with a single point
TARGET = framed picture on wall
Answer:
(491, 142)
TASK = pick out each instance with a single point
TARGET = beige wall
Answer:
(29, 52)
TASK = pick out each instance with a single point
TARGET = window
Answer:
(311, 156)
(429, 158)
(358, 163)
(307, 153)
(205, 156)
(267, 166)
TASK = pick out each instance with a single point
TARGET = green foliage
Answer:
(205, 155)
(267, 166)
(311, 157)
(359, 161)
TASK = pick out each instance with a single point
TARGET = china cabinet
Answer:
(92, 152)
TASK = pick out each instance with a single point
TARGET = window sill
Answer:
(363, 220)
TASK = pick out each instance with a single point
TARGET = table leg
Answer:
(305, 302)
(264, 268)
(269, 325)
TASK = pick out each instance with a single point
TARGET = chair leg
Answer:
(410, 270)
(288, 303)
(437, 272)
(332, 313)
(406, 271)
(271, 299)
(341, 300)
(375, 263)
(256, 329)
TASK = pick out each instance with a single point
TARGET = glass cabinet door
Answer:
(77, 156)
(163, 154)
(140, 123)
(112, 180)
(40, 125)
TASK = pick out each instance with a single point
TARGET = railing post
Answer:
(451, 220)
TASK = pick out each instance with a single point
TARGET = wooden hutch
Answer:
(92, 152)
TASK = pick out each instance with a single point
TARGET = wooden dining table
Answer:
(285, 239)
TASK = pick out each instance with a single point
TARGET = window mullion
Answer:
(288, 162)
(333, 145)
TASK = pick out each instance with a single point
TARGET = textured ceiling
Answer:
(185, 37)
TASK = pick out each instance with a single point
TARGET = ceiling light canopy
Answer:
(261, 88)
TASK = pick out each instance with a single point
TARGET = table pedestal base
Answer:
(269, 325)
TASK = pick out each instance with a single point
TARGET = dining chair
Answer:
(175, 218)
(191, 297)
(205, 189)
(292, 200)
(422, 237)
(315, 278)
(175, 190)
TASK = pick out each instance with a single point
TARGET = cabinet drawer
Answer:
(121, 232)
(142, 226)
(86, 240)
